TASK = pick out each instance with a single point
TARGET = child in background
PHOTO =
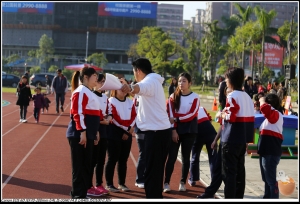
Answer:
(39, 102)
(46, 105)
(269, 143)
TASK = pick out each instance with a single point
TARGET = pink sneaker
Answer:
(94, 192)
(102, 190)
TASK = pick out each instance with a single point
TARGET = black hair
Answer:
(177, 92)
(88, 71)
(274, 101)
(100, 77)
(143, 64)
(59, 70)
(235, 76)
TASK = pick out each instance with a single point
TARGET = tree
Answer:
(177, 67)
(210, 47)
(35, 69)
(243, 17)
(132, 52)
(264, 20)
(53, 68)
(98, 59)
(46, 50)
(156, 45)
(192, 51)
(67, 73)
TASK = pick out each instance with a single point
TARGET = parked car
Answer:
(37, 79)
(10, 80)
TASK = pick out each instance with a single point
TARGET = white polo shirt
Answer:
(151, 112)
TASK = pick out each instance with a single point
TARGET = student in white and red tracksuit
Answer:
(206, 135)
(238, 117)
(183, 110)
(123, 113)
(99, 150)
(269, 143)
(82, 132)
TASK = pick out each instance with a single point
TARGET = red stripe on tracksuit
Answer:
(114, 109)
(183, 117)
(78, 109)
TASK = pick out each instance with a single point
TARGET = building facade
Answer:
(170, 18)
(77, 30)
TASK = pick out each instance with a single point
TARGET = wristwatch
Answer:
(175, 120)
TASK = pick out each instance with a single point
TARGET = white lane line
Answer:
(14, 127)
(133, 159)
(10, 113)
(27, 155)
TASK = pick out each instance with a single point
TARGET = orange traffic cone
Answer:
(215, 107)
(286, 112)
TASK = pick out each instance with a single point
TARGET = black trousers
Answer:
(186, 141)
(36, 113)
(118, 152)
(216, 174)
(81, 159)
(156, 150)
(59, 97)
(98, 161)
(23, 112)
(233, 170)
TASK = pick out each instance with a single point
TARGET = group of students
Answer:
(100, 124)
(40, 101)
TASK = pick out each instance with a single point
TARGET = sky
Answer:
(189, 7)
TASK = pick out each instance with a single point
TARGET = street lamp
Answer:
(25, 66)
(87, 41)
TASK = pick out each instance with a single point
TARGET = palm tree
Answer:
(243, 17)
(264, 20)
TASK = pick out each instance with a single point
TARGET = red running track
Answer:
(36, 162)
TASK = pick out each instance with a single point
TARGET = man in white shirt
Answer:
(152, 119)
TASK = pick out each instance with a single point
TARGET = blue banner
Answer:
(28, 7)
(128, 9)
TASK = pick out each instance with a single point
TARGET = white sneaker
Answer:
(182, 187)
(140, 185)
(24, 121)
(20, 120)
(167, 188)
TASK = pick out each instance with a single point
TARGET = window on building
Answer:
(112, 58)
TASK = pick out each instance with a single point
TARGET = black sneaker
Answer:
(203, 196)
(62, 109)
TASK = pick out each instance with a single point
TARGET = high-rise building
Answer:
(77, 30)
(170, 18)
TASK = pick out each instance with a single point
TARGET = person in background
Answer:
(269, 86)
(216, 178)
(27, 74)
(173, 86)
(99, 150)
(59, 87)
(38, 104)
(249, 87)
(48, 84)
(47, 104)
(238, 117)
(182, 108)
(82, 132)
(222, 97)
(206, 135)
(269, 143)
(154, 124)
(24, 96)
(122, 111)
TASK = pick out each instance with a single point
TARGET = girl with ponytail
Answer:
(182, 109)
(82, 132)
